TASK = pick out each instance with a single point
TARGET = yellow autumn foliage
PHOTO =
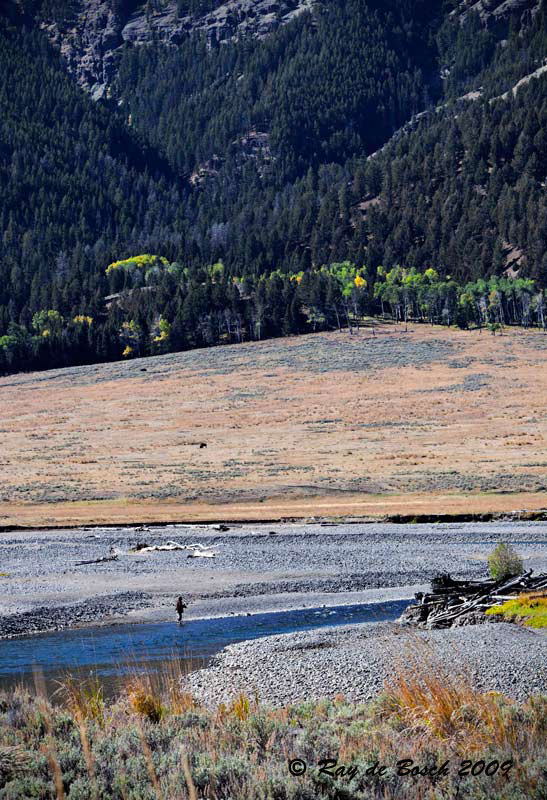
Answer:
(142, 261)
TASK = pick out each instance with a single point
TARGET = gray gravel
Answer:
(301, 564)
(40, 576)
(355, 661)
(45, 618)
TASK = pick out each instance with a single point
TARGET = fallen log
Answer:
(97, 560)
(464, 602)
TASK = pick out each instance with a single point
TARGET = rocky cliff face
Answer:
(494, 12)
(91, 41)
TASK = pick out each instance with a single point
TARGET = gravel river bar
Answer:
(260, 568)
(257, 568)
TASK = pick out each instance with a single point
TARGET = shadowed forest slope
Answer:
(346, 136)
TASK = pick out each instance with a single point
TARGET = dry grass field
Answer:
(429, 421)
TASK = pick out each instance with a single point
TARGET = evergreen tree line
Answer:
(161, 307)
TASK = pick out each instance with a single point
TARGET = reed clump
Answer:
(438, 705)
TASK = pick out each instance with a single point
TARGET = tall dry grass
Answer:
(432, 702)
(155, 741)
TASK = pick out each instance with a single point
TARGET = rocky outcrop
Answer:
(494, 12)
(229, 20)
(90, 42)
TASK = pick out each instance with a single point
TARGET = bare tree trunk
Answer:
(346, 309)
(541, 314)
(227, 318)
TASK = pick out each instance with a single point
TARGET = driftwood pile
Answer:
(453, 603)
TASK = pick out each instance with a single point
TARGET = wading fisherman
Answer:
(180, 608)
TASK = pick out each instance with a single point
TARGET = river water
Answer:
(114, 652)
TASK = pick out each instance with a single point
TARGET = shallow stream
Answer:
(111, 652)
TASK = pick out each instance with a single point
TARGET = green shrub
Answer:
(504, 562)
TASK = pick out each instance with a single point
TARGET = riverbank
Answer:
(45, 586)
(236, 743)
(357, 660)
(345, 507)
(156, 741)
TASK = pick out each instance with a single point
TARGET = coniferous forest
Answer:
(365, 159)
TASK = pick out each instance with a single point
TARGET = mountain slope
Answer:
(327, 86)
(90, 34)
(74, 184)
(423, 209)
(347, 133)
